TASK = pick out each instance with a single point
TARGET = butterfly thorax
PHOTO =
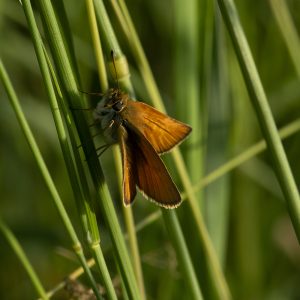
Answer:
(109, 113)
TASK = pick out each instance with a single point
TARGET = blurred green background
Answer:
(245, 210)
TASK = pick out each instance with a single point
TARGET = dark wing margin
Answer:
(129, 169)
(162, 131)
(152, 177)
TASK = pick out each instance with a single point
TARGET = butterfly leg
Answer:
(102, 149)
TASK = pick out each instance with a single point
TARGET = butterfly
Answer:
(143, 134)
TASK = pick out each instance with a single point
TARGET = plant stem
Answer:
(213, 270)
(183, 256)
(70, 92)
(131, 231)
(263, 111)
(46, 175)
(79, 183)
(11, 239)
(288, 30)
(97, 45)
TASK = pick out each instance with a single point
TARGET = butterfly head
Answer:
(113, 103)
(109, 112)
(115, 100)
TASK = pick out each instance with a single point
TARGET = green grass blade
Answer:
(110, 39)
(68, 82)
(80, 188)
(288, 30)
(97, 45)
(224, 169)
(87, 212)
(130, 227)
(246, 155)
(217, 195)
(254, 225)
(13, 242)
(65, 28)
(187, 91)
(183, 256)
(213, 268)
(171, 227)
(111, 44)
(214, 271)
(46, 175)
(263, 111)
(44, 63)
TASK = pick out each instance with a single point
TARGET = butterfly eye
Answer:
(118, 106)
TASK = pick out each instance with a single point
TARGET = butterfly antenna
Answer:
(91, 94)
(113, 60)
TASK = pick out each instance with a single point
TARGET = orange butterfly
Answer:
(142, 133)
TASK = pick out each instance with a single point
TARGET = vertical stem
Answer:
(288, 30)
(46, 175)
(182, 252)
(263, 111)
(97, 45)
(23, 259)
(68, 82)
(129, 222)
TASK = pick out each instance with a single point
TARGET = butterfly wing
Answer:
(160, 130)
(129, 169)
(150, 173)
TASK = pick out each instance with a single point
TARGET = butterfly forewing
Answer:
(150, 173)
(161, 131)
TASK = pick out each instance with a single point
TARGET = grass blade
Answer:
(11, 239)
(70, 92)
(213, 268)
(183, 256)
(288, 30)
(263, 111)
(79, 184)
(46, 175)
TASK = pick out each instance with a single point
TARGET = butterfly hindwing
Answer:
(150, 173)
(129, 169)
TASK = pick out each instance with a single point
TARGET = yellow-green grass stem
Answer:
(79, 184)
(17, 248)
(104, 17)
(97, 45)
(130, 227)
(288, 30)
(46, 175)
(233, 163)
(213, 270)
(183, 256)
(264, 115)
(70, 92)
(109, 36)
